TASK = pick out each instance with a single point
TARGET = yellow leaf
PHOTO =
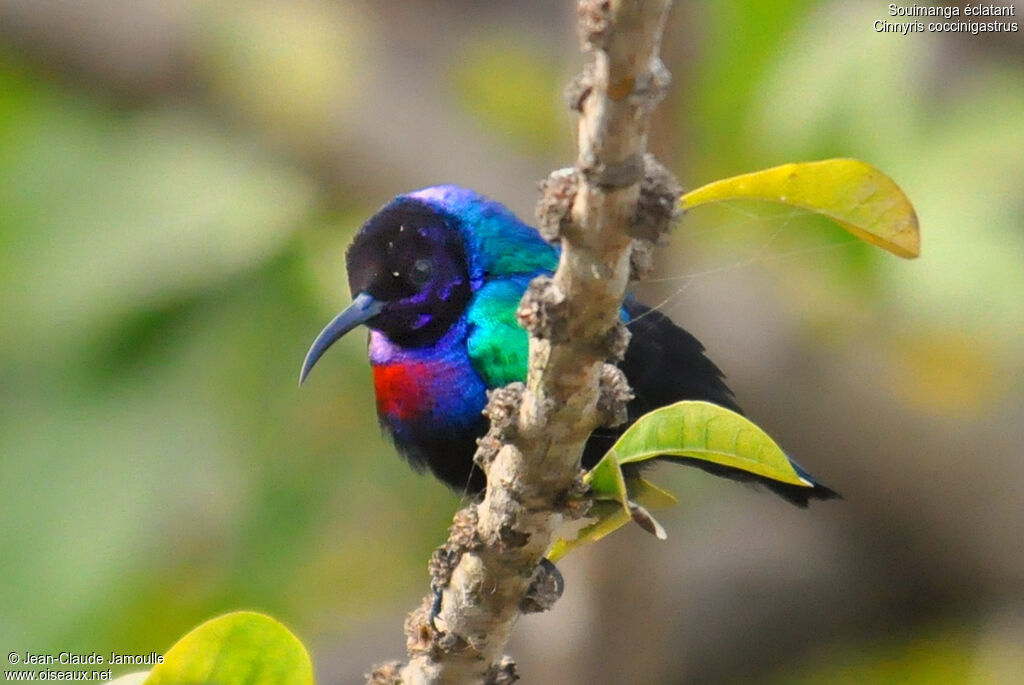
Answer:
(857, 196)
(241, 648)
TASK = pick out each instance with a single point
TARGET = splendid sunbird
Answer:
(437, 275)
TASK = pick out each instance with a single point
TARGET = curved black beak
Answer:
(362, 309)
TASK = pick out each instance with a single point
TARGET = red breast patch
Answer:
(400, 390)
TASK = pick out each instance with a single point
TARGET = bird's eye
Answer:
(421, 271)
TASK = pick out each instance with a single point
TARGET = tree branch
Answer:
(532, 452)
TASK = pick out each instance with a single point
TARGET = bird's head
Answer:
(414, 266)
(408, 272)
(409, 277)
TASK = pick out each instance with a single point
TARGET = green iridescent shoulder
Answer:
(498, 347)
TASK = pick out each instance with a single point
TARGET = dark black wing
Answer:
(666, 364)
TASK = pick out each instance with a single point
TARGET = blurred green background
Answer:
(178, 182)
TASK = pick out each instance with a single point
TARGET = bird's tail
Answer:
(795, 494)
(665, 364)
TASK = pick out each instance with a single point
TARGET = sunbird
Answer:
(437, 275)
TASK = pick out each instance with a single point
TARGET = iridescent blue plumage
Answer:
(437, 276)
(497, 242)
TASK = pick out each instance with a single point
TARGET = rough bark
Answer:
(531, 454)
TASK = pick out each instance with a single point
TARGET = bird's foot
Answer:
(546, 587)
(435, 606)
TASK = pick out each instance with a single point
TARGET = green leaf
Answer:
(241, 648)
(608, 516)
(857, 196)
(606, 480)
(617, 502)
(688, 430)
(644, 492)
(706, 431)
